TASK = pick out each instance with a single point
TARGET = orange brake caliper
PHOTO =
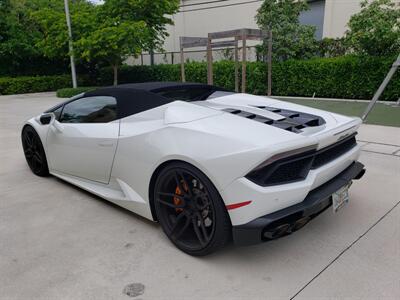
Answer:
(177, 200)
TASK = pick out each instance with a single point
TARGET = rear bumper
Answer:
(292, 218)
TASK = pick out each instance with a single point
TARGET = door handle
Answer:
(106, 144)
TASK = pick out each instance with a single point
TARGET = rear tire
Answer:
(190, 210)
(34, 152)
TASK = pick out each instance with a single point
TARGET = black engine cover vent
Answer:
(305, 119)
(291, 120)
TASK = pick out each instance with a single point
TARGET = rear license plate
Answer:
(340, 198)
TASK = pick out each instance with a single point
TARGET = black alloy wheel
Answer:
(34, 152)
(190, 210)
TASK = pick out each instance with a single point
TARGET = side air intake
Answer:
(296, 167)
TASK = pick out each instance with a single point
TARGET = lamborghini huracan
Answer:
(208, 164)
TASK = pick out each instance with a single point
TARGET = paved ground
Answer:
(58, 242)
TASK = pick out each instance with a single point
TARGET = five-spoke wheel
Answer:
(190, 210)
(34, 152)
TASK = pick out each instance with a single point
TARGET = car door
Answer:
(83, 139)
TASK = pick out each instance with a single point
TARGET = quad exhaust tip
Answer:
(359, 175)
(277, 231)
(286, 228)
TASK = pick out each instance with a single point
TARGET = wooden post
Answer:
(270, 64)
(243, 63)
(172, 58)
(209, 62)
(182, 66)
(236, 64)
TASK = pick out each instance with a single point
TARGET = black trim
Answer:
(316, 202)
(296, 167)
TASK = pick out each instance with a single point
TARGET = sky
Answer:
(97, 1)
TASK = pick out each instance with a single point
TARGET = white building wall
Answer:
(199, 20)
(338, 14)
(199, 17)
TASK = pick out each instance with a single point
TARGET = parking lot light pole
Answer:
(71, 54)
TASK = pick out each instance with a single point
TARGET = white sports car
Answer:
(209, 165)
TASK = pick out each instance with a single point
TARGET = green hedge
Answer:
(70, 92)
(25, 84)
(34, 84)
(342, 77)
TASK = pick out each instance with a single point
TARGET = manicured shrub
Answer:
(20, 85)
(27, 84)
(340, 77)
(70, 92)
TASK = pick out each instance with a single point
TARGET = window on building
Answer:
(314, 16)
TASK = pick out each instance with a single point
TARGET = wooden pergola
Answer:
(232, 38)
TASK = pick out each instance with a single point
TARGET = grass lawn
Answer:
(381, 114)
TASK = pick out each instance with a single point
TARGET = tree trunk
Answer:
(151, 57)
(115, 70)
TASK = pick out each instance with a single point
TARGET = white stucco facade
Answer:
(199, 17)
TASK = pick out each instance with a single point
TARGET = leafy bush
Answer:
(342, 77)
(350, 77)
(20, 85)
(70, 92)
(329, 47)
(25, 84)
(375, 30)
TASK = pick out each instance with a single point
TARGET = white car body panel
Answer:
(117, 160)
(83, 150)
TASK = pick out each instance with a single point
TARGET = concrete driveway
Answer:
(59, 242)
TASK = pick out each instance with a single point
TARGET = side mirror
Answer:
(46, 119)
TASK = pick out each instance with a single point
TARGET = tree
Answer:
(155, 13)
(17, 34)
(126, 28)
(113, 42)
(50, 20)
(329, 47)
(376, 29)
(110, 32)
(290, 38)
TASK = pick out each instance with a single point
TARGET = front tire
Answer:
(34, 151)
(190, 210)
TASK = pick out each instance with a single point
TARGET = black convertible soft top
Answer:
(133, 98)
(130, 101)
(156, 86)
